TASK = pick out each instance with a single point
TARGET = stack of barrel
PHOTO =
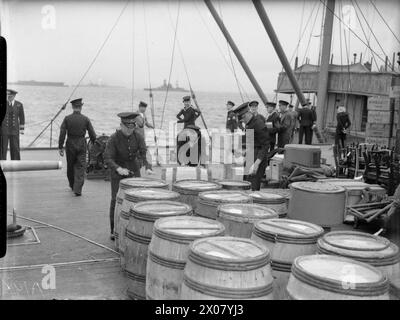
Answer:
(219, 240)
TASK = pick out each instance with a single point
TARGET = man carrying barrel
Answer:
(262, 140)
(75, 126)
(125, 154)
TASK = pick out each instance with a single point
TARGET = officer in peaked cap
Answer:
(188, 112)
(262, 139)
(253, 105)
(286, 124)
(74, 127)
(125, 154)
(272, 122)
(12, 126)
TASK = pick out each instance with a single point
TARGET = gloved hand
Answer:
(61, 152)
(122, 171)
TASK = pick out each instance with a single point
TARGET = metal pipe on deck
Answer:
(278, 48)
(29, 165)
(235, 49)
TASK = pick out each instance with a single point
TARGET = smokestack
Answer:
(361, 57)
(386, 62)
(355, 57)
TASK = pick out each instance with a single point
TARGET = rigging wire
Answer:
(188, 78)
(219, 48)
(85, 73)
(384, 20)
(321, 36)
(230, 57)
(366, 38)
(355, 34)
(172, 62)
(369, 37)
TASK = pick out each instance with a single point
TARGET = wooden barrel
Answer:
(273, 201)
(133, 196)
(169, 250)
(317, 202)
(235, 184)
(227, 268)
(239, 219)
(210, 200)
(190, 189)
(328, 277)
(286, 240)
(126, 184)
(137, 239)
(374, 250)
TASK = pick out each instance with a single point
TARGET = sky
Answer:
(58, 40)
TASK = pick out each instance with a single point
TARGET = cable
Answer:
(384, 20)
(172, 62)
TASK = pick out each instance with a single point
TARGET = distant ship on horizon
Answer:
(168, 87)
(39, 83)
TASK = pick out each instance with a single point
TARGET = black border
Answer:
(3, 184)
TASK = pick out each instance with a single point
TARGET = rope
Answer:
(66, 231)
(384, 20)
(84, 75)
(172, 62)
(369, 37)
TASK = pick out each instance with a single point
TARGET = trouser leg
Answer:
(256, 179)
(14, 147)
(79, 171)
(4, 146)
(71, 157)
(301, 133)
(342, 138)
(114, 190)
(308, 133)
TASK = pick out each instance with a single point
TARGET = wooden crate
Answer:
(382, 117)
(378, 141)
(379, 103)
(377, 130)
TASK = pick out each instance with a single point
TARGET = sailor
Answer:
(272, 123)
(255, 125)
(12, 125)
(294, 115)
(125, 154)
(75, 126)
(254, 109)
(343, 123)
(285, 125)
(189, 113)
(307, 120)
(232, 122)
(141, 121)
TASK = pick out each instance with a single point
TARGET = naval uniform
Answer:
(126, 152)
(274, 119)
(75, 126)
(262, 141)
(343, 122)
(232, 122)
(306, 119)
(13, 122)
(285, 129)
(189, 116)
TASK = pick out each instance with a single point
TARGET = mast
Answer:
(324, 67)
(236, 51)
(278, 48)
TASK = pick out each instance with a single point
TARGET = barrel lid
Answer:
(235, 183)
(266, 197)
(152, 210)
(350, 184)
(225, 196)
(247, 211)
(361, 246)
(288, 230)
(336, 273)
(141, 182)
(229, 252)
(302, 146)
(197, 185)
(318, 187)
(187, 228)
(146, 194)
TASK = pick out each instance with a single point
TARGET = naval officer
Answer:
(262, 141)
(12, 125)
(141, 121)
(125, 154)
(189, 113)
(285, 125)
(75, 126)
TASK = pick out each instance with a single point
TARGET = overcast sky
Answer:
(58, 40)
